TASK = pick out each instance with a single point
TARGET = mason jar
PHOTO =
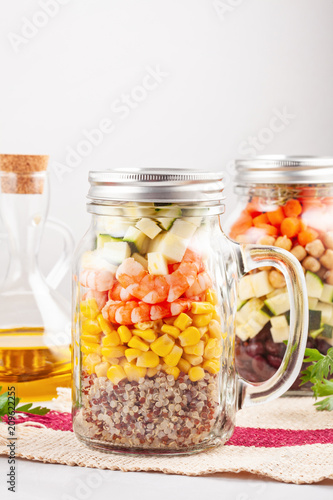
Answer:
(286, 202)
(154, 304)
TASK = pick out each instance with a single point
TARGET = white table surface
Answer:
(39, 481)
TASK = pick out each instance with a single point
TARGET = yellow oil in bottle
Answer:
(32, 364)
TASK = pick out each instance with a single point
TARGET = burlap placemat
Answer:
(287, 440)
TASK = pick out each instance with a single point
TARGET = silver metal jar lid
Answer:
(155, 185)
(279, 169)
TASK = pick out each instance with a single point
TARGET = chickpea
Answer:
(299, 252)
(276, 279)
(329, 278)
(242, 238)
(284, 242)
(303, 269)
(315, 248)
(328, 240)
(311, 264)
(266, 240)
(265, 268)
(322, 273)
(327, 259)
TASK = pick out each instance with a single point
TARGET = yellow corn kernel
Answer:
(91, 327)
(171, 330)
(214, 328)
(196, 373)
(90, 362)
(89, 308)
(102, 368)
(211, 366)
(148, 360)
(91, 339)
(105, 325)
(197, 349)
(116, 373)
(213, 349)
(132, 354)
(112, 339)
(144, 325)
(203, 330)
(163, 345)
(172, 359)
(90, 348)
(114, 352)
(121, 361)
(205, 338)
(216, 316)
(112, 361)
(183, 321)
(149, 335)
(169, 321)
(134, 373)
(190, 336)
(173, 370)
(211, 296)
(193, 359)
(184, 365)
(124, 334)
(138, 343)
(201, 308)
(151, 372)
(201, 320)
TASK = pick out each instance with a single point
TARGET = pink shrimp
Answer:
(131, 312)
(100, 297)
(118, 292)
(201, 283)
(156, 289)
(99, 280)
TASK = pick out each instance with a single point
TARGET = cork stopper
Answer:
(23, 174)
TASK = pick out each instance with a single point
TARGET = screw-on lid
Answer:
(280, 169)
(155, 185)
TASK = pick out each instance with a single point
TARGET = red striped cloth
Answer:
(242, 436)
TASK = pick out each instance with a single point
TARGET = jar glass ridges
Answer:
(286, 202)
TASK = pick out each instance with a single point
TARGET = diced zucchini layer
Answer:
(137, 238)
(314, 285)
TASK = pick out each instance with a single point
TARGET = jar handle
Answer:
(251, 257)
(64, 262)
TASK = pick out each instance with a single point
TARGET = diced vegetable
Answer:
(95, 260)
(327, 331)
(315, 333)
(326, 312)
(240, 303)
(137, 238)
(139, 258)
(116, 251)
(245, 288)
(278, 304)
(314, 285)
(280, 334)
(105, 238)
(172, 247)
(166, 222)
(250, 306)
(312, 302)
(327, 293)
(183, 229)
(149, 227)
(157, 264)
(193, 220)
(260, 283)
(172, 211)
(314, 319)
(279, 322)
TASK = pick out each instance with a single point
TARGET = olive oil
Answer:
(33, 365)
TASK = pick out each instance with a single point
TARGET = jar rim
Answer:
(156, 185)
(283, 169)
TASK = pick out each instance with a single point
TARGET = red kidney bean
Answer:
(274, 361)
(275, 349)
(262, 368)
(254, 349)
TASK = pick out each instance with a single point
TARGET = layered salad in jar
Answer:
(150, 334)
(302, 225)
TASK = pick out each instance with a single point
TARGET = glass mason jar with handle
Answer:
(286, 202)
(154, 303)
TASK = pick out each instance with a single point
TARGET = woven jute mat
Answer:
(287, 440)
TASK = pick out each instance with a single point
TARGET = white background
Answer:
(228, 68)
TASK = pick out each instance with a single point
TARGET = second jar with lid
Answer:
(286, 202)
